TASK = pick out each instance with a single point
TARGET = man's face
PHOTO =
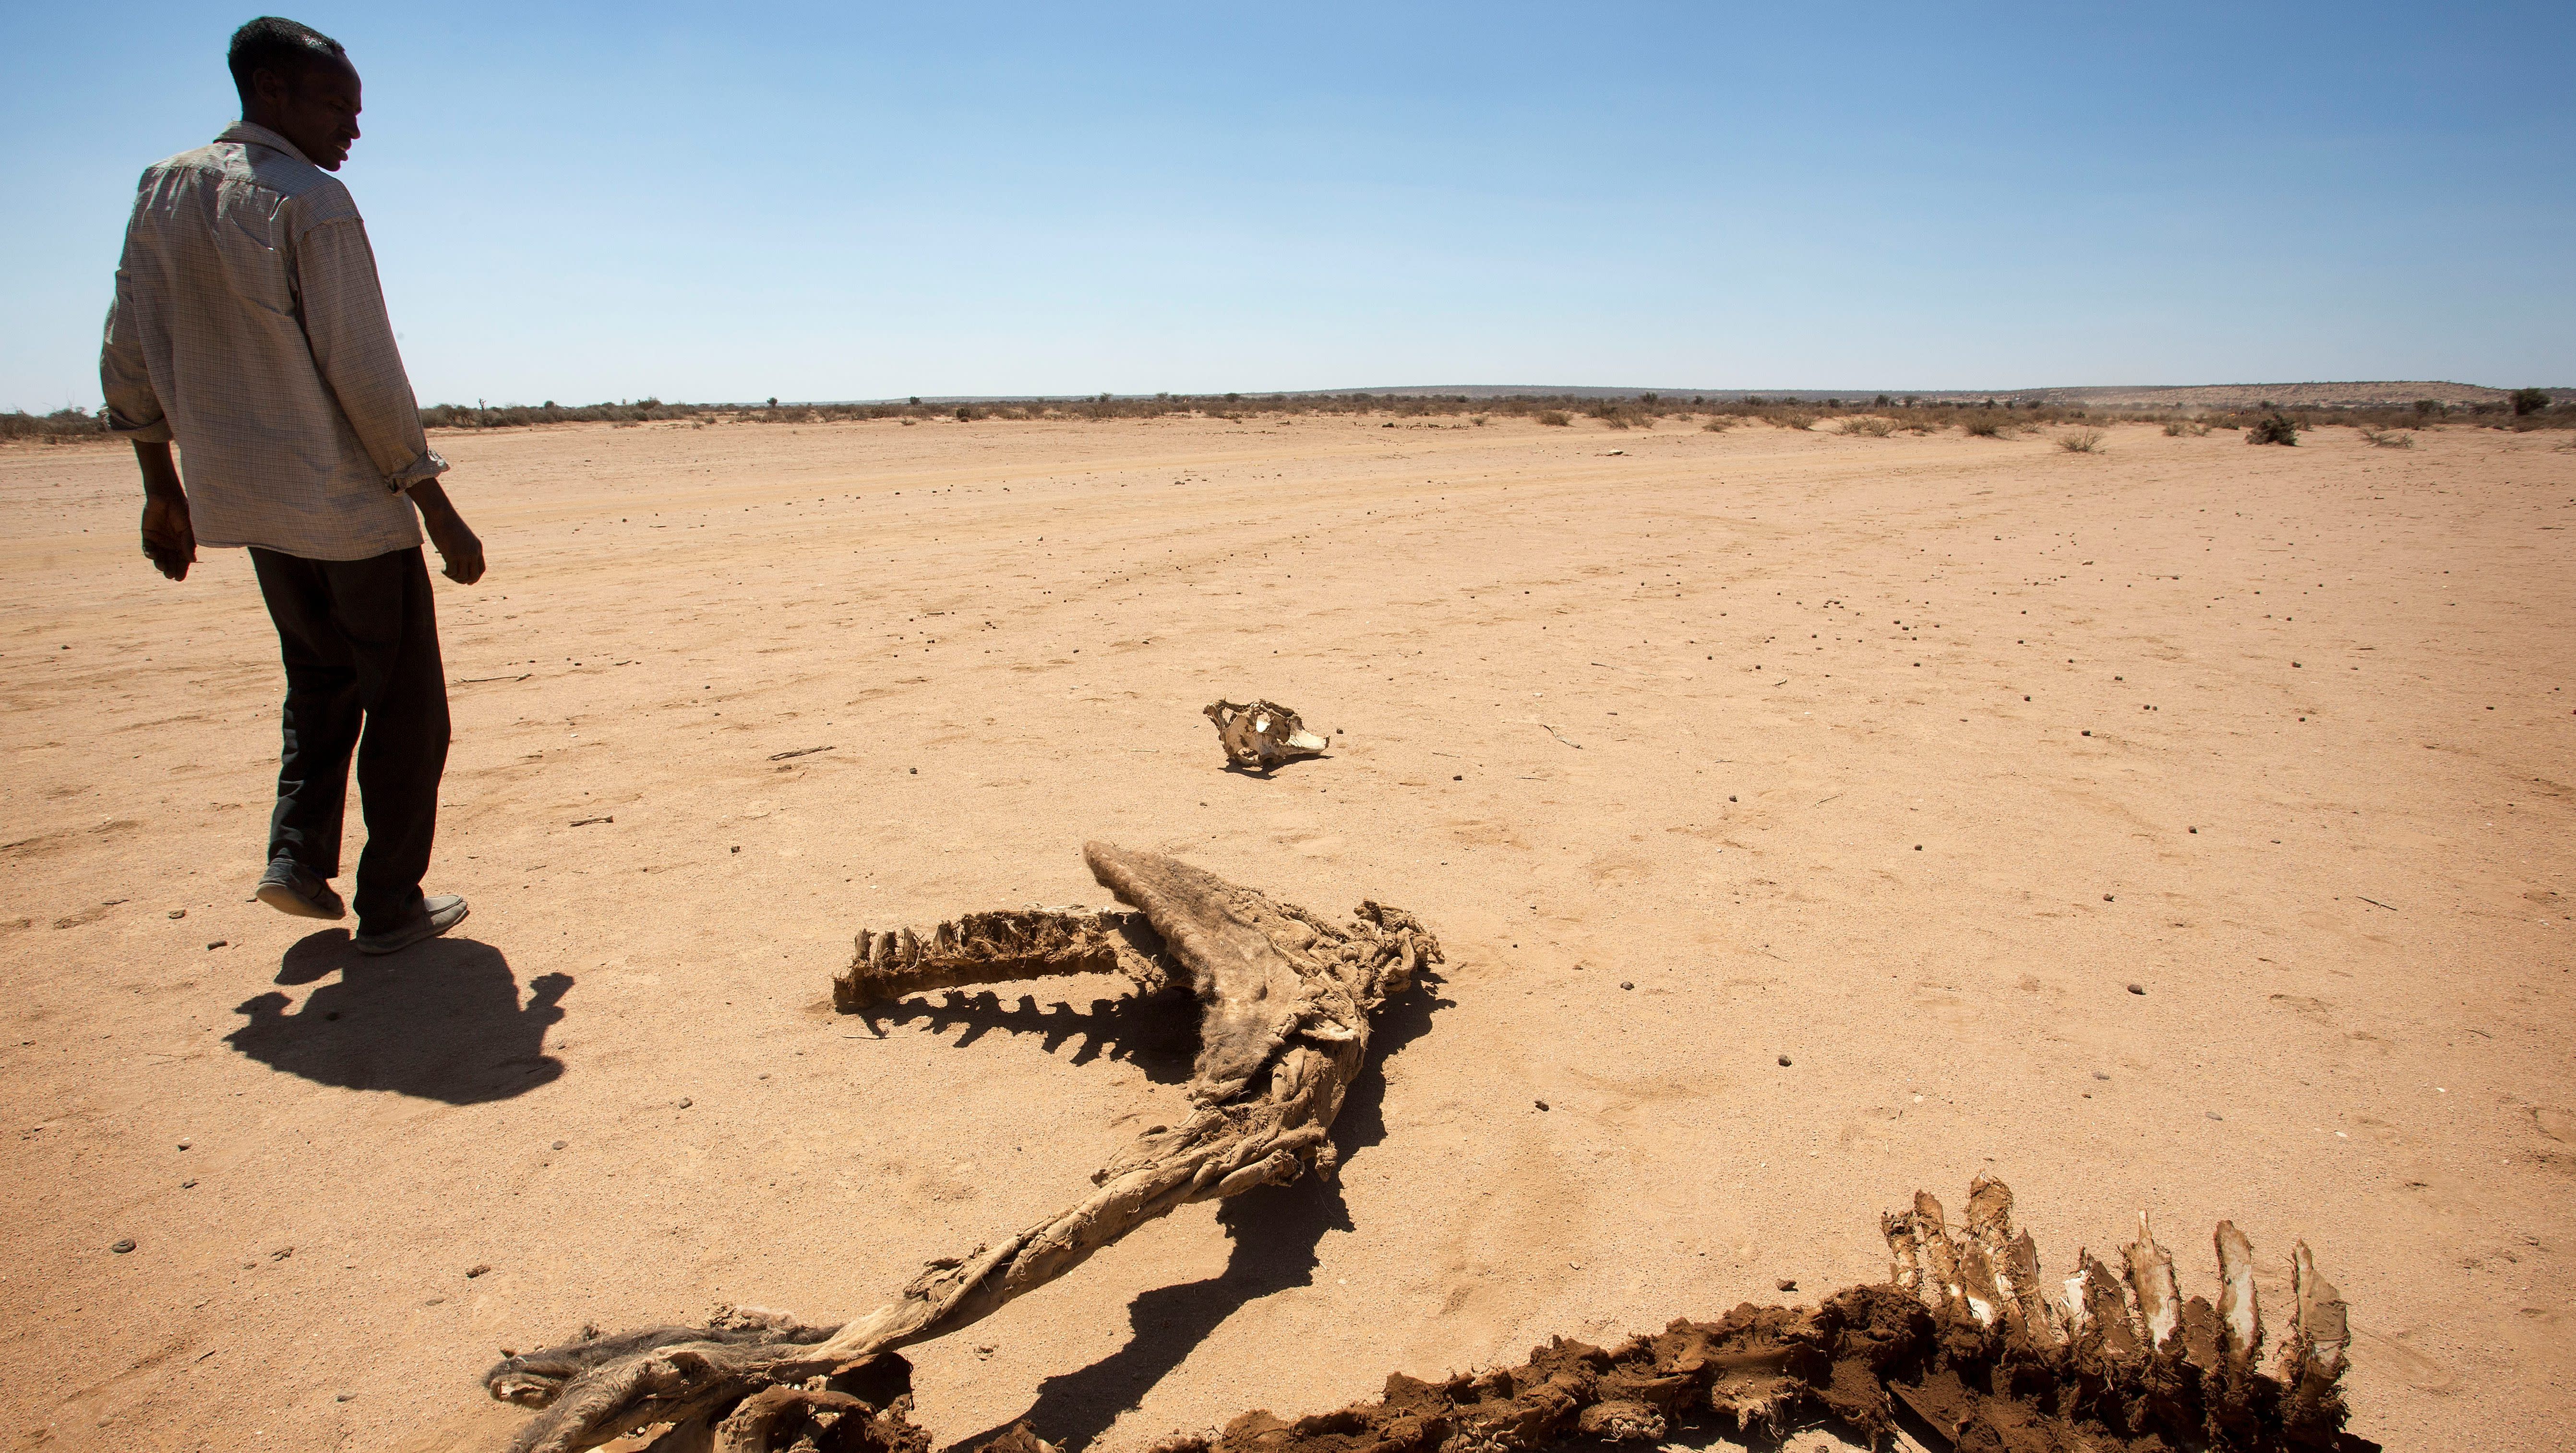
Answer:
(316, 107)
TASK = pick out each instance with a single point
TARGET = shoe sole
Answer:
(295, 905)
(419, 933)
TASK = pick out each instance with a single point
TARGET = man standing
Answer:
(248, 326)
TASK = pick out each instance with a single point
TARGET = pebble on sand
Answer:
(122, 1245)
(1788, 1283)
(218, 943)
(686, 1102)
(178, 913)
(1784, 1061)
(2137, 988)
(477, 1269)
(1542, 1104)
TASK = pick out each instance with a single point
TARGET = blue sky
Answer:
(586, 202)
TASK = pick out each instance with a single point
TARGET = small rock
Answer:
(2088, 734)
(1542, 1104)
(281, 1253)
(1730, 799)
(686, 1102)
(218, 943)
(343, 1397)
(178, 913)
(986, 1350)
(478, 1269)
(1457, 779)
(122, 1245)
(916, 771)
(1788, 1283)
(2214, 1115)
(558, 1145)
(2192, 829)
(2106, 897)
(2097, 1074)
(1624, 984)
(187, 1185)
(184, 1144)
(733, 850)
(2137, 988)
(1784, 1061)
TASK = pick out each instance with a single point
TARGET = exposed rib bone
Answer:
(2239, 1314)
(2151, 1276)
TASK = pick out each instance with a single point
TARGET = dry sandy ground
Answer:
(1899, 758)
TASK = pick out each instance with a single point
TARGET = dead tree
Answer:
(1284, 1003)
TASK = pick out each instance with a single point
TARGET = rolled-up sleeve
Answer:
(353, 347)
(133, 405)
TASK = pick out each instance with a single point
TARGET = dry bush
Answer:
(1987, 426)
(2186, 429)
(2082, 441)
(59, 427)
(1869, 426)
(2388, 439)
(1720, 424)
(1798, 419)
(1555, 418)
(1476, 419)
(2273, 428)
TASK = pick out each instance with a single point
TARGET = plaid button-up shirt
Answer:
(249, 327)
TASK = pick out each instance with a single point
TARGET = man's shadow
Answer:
(1274, 1232)
(440, 1020)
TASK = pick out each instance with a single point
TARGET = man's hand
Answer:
(456, 544)
(169, 540)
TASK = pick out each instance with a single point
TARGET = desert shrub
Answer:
(2388, 439)
(1798, 419)
(1986, 426)
(1719, 424)
(2081, 441)
(1869, 426)
(2273, 428)
(2186, 429)
(58, 427)
(1476, 419)
(2430, 408)
(2529, 401)
(1555, 418)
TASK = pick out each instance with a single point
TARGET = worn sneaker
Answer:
(429, 917)
(290, 887)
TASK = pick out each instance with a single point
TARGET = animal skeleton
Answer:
(1284, 1004)
(1964, 1339)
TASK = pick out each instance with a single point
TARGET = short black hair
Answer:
(273, 43)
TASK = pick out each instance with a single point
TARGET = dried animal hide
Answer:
(1284, 999)
(1963, 1348)
(1261, 734)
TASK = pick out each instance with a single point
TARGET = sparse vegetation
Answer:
(2273, 428)
(62, 426)
(2082, 441)
(1798, 419)
(2529, 401)
(1720, 424)
(1869, 426)
(1983, 425)
(2388, 439)
(1555, 418)
(2186, 429)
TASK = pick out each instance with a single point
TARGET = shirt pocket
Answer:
(251, 247)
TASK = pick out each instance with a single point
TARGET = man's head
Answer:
(297, 82)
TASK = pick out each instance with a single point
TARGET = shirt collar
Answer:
(262, 136)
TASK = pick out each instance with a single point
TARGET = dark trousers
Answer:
(360, 640)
